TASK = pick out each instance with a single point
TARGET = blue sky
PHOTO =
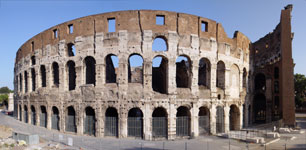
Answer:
(22, 19)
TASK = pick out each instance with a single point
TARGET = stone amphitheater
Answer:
(152, 75)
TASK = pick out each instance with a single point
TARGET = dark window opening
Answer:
(20, 84)
(55, 73)
(26, 81)
(135, 123)
(260, 82)
(183, 72)
(32, 46)
(276, 73)
(90, 64)
(90, 121)
(159, 44)
(135, 69)
(244, 78)
(71, 75)
(33, 74)
(160, 74)
(111, 68)
(33, 60)
(160, 19)
(220, 81)
(204, 26)
(43, 76)
(26, 117)
(70, 28)
(111, 24)
(219, 96)
(71, 50)
(55, 33)
(204, 73)
(276, 87)
(276, 111)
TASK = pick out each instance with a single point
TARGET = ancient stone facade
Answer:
(79, 76)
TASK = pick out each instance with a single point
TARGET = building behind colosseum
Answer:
(101, 75)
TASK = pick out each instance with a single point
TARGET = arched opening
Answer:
(220, 120)
(20, 82)
(276, 87)
(135, 123)
(55, 118)
(220, 81)
(135, 70)
(43, 116)
(259, 106)
(244, 78)
(33, 60)
(90, 121)
(20, 113)
(234, 118)
(111, 122)
(260, 82)
(25, 81)
(276, 73)
(71, 50)
(160, 74)
(276, 112)
(43, 75)
(204, 121)
(71, 75)
(111, 70)
(71, 120)
(204, 73)
(90, 68)
(159, 123)
(183, 72)
(234, 81)
(26, 117)
(159, 44)
(33, 116)
(55, 73)
(33, 75)
(183, 121)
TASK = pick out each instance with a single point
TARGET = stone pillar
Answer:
(38, 112)
(172, 122)
(213, 119)
(241, 116)
(29, 116)
(172, 49)
(213, 77)
(80, 115)
(195, 121)
(227, 82)
(147, 130)
(226, 118)
(49, 119)
(123, 126)
(194, 80)
(63, 77)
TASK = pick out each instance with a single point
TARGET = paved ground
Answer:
(202, 143)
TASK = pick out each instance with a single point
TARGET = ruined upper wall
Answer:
(133, 21)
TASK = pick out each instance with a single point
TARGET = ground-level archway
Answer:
(204, 121)
(259, 108)
(55, 118)
(33, 115)
(159, 123)
(43, 116)
(26, 117)
(70, 120)
(183, 121)
(111, 122)
(90, 121)
(234, 118)
(135, 123)
(220, 120)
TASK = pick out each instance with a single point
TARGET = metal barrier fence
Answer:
(70, 123)
(159, 127)
(183, 126)
(204, 125)
(55, 121)
(43, 120)
(111, 126)
(135, 127)
(90, 125)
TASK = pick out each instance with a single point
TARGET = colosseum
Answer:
(153, 75)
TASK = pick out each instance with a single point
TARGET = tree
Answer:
(3, 97)
(5, 90)
(300, 89)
